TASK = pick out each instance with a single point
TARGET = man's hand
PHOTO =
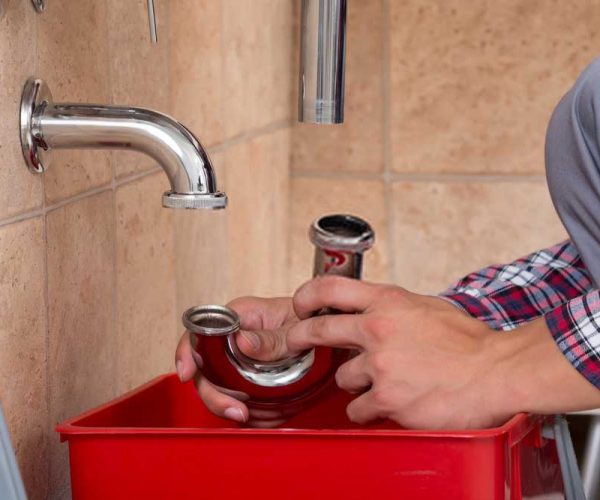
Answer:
(425, 364)
(422, 362)
(264, 323)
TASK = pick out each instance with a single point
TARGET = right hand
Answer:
(262, 336)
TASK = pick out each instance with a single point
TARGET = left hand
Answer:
(422, 362)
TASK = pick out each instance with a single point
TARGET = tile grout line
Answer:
(166, 27)
(176, 243)
(492, 178)
(113, 189)
(78, 197)
(289, 213)
(123, 181)
(41, 212)
(47, 314)
(115, 335)
(47, 208)
(333, 174)
(387, 176)
(250, 135)
(387, 145)
(294, 173)
(32, 214)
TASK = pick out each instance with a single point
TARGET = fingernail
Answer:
(179, 367)
(253, 338)
(235, 414)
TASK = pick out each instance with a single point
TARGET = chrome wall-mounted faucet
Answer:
(46, 125)
(322, 61)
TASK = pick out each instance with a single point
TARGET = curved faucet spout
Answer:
(46, 126)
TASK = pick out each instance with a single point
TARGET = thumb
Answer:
(263, 345)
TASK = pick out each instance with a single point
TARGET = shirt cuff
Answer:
(473, 306)
(575, 327)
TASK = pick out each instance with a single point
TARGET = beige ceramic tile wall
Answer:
(239, 96)
(89, 261)
(447, 104)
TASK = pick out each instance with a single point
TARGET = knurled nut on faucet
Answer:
(212, 201)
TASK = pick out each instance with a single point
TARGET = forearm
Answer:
(531, 374)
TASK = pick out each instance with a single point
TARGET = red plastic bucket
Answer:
(159, 441)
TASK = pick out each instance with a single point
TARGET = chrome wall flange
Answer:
(36, 96)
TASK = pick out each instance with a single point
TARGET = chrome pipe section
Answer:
(322, 61)
(289, 384)
(46, 125)
(340, 242)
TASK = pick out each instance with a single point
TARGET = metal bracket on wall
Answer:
(152, 21)
(39, 5)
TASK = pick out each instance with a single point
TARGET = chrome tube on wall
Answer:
(70, 126)
(322, 61)
(340, 242)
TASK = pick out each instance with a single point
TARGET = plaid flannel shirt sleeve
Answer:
(552, 282)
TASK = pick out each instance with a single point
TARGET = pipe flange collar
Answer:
(211, 320)
(213, 201)
(36, 96)
(342, 232)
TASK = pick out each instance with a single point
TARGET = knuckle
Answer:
(377, 327)
(393, 293)
(329, 285)
(324, 286)
(318, 326)
(380, 365)
(381, 398)
(340, 376)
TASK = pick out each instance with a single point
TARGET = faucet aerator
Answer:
(213, 201)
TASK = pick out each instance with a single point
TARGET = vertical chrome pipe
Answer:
(340, 242)
(322, 61)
